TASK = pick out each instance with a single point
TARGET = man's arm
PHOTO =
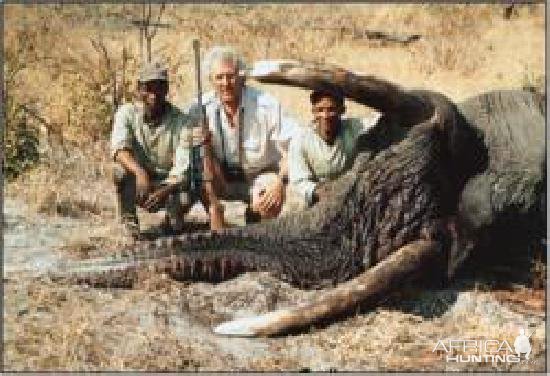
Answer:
(122, 135)
(178, 175)
(283, 129)
(283, 168)
(122, 139)
(190, 135)
(299, 172)
(143, 181)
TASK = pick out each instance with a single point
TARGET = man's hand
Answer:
(157, 198)
(201, 136)
(197, 136)
(320, 193)
(143, 186)
(271, 200)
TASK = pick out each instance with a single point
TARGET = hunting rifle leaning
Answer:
(201, 165)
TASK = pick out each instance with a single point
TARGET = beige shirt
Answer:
(266, 131)
(153, 146)
(311, 160)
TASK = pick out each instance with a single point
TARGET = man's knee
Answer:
(261, 183)
(259, 186)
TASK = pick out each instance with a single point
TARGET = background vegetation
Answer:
(67, 67)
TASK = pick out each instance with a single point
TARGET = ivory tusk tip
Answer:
(248, 326)
(235, 328)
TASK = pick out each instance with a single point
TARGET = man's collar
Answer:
(160, 120)
(338, 134)
(244, 93)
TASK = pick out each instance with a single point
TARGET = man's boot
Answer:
(177, 205)
(125, 185)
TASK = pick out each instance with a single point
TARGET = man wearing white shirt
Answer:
(327, 148)
(249, 134)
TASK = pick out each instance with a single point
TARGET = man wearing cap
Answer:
(249, 135)
(144, 140)
(326, 149)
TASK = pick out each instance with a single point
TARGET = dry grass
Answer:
(54, 68)
(464, 50)
(52, 335)
(164, 325)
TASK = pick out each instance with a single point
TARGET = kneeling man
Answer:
(249, 133)
(143, 144)
(326, 149)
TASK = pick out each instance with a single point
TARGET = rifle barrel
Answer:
(196, 49)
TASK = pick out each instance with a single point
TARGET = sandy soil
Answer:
(166, 325)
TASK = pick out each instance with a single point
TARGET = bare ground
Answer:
(166, 325)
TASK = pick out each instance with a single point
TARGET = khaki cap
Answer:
(153, 71)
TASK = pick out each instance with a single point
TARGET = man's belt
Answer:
(238, 174)
(235, 174)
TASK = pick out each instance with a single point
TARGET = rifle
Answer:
(201, 164)
(196, 152)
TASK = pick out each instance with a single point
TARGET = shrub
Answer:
(20, 140)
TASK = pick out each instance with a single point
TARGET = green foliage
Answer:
(20, 142)
(20, 137)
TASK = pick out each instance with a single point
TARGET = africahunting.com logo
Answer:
(485, 350)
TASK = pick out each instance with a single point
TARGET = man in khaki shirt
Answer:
(324, 150)
(144, 140)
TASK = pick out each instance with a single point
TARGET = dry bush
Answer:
(70, 182)
(75, 75)
(20, 136)
(80, 61)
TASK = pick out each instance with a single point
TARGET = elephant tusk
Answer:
(367, 287)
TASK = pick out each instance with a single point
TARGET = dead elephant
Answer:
(422, 202)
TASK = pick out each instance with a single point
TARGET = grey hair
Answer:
(218, 54)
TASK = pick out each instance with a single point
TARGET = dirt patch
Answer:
(167, 325)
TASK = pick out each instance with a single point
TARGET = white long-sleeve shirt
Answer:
(266, 132)
(311, 160)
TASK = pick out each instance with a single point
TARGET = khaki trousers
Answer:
(176, 205)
